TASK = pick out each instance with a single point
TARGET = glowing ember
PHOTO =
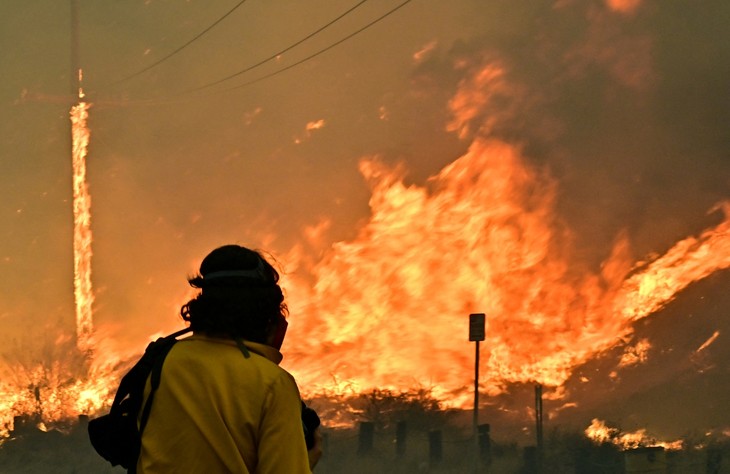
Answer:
(635, 354)
(707, 343)
(83, 294)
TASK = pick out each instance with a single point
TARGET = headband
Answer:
(256, 273)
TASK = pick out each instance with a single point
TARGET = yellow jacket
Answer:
(219, 412)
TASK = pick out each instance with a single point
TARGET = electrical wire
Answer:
(323, 50)
(165, 58)
(187, 95)
(277, 54)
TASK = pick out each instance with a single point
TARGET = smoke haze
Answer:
(620, 107)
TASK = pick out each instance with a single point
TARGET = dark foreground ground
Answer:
(389, 451)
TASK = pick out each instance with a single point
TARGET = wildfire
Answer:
(388, 309)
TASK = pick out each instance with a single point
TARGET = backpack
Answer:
(310, 422)
(116, 436)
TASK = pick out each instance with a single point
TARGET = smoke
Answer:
(601, 98)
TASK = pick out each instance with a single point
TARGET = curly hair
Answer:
(240, 296)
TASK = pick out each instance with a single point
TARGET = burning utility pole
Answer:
(83, 295)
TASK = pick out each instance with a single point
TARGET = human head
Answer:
(239, 298)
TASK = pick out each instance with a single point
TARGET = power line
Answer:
(277, 54)
(165, 58)
(323, 50)
(182, 95)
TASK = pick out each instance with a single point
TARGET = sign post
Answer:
(476, 334)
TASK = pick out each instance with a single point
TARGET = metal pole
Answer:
(476, 408)
(476, 334)
(538, 424)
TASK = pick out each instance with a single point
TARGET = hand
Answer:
(316, 452)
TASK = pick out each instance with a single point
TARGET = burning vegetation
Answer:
(48, 388)
(388, 309)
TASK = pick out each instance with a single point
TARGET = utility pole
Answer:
(75, 61)
(476, 334)
(83, 293)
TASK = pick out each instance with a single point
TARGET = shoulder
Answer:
(219, 355)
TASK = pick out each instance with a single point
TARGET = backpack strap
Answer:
(165, 344)
(242, 348)
(129, 385)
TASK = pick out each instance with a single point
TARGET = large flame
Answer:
(390, 308)
(83, 294)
